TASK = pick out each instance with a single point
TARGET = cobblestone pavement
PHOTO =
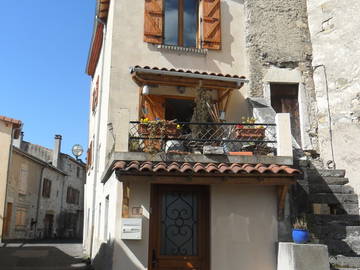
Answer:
(42, 256)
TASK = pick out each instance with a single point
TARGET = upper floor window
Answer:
(178, 23)
(72, 196)
(46, 188)
(181, 22)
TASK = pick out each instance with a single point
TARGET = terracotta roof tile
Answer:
(191, 71)
(145, 167)
(10, 120)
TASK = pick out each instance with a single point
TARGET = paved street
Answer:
(42, 256)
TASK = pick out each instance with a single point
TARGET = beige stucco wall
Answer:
(243, 228)
(5, 142)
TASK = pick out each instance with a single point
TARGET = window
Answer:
(181, 22)
(89, 156)
(46, 188)
(72, 196)
(177, 22)
(23, 179)
(95, 96)
(78, 172)
(21, 214)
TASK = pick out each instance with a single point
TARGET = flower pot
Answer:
(300, 236)
(170, 130)
(250, 133)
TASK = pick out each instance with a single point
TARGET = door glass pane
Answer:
(171, 22)
(179, 224)
(190, 22)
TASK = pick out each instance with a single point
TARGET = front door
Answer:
(179, 228)
(7, 222)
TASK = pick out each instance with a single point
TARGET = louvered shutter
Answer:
(211, 24)
(153, 21)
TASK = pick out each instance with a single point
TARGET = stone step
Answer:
(331, 198)
(343, 262)
(325, 188)
(336, 232)
(342, 220)
(326, 180)
(343, 247)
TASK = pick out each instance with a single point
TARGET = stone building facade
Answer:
(44, 193)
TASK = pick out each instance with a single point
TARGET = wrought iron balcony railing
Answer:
(203, 138)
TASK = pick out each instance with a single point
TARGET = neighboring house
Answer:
(160, 195)
(9, 130)
(44, 193)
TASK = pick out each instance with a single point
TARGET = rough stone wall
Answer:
(334, 27)
(277, 35)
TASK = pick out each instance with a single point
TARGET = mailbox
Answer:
(131, 228)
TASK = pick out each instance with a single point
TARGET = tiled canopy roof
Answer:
(149, 167)
(191, 72)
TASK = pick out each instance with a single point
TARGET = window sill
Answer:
(182, 50)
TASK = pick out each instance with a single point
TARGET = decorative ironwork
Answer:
(192, 137)
(179, 223)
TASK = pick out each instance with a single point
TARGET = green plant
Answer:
(300, 223)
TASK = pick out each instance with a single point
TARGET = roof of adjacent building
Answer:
(231, 169)
(11, 120)
(16, 124)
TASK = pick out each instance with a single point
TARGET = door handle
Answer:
(154, 260)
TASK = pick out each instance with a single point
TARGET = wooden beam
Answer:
(196, 180)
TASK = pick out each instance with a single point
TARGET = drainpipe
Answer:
(38, 200)
(8, 175)
(97, 135)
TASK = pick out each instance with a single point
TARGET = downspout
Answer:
(8, 176)
(97, 135)
(38, 200)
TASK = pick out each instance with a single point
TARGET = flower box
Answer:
(161, 130)
(249, 133)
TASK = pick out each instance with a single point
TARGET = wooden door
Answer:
(8, 216)
(48, 225)
(179, 228)
(284, 99)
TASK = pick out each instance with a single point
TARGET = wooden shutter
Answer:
(155, 106)
(153, 21)
(211, 24)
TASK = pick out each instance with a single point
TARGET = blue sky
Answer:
(44, 47)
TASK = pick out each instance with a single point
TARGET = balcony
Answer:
(265, 139)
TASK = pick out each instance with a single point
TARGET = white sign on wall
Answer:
(131, 228)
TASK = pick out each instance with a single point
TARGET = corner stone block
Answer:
(293, 256)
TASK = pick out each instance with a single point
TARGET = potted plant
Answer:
(159, 128)
(300, 233)
(247, 130)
